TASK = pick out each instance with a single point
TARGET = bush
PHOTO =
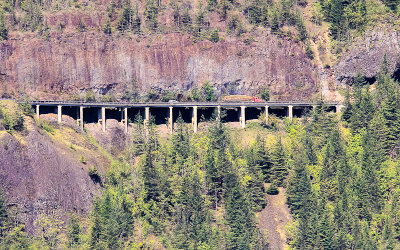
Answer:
(83, 159)
(45, 125)
(272, 190)
(94, 175)
(214, 37)
(208, 92)
(13, 119)
(90, 96)
(309, 52)
(264, 93)
(26, 109)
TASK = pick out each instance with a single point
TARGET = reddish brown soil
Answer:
(273, 219)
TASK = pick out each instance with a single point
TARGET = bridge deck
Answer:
(182, 104)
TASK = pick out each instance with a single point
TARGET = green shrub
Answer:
(94, 175)
(13, 119)
(83, 159)
(264, 93)
(214, 37)
(45, 125)
(26, 109)
(90, 96)
(272, 190)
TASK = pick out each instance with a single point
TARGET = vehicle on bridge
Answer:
(242, 98)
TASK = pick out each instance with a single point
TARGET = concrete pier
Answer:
(81, 116)
(59, 113)
(171, 119)
(126, 121)
(194, 119)
(242, 116)
(266, 113)
(146, 115)
(103, 118)
(37, 111)
(290, 112)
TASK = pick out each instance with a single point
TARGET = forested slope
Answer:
(194, 191)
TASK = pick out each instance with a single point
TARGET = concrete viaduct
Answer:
(99, 112)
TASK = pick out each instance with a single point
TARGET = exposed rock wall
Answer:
(366, 54)
(66, 64)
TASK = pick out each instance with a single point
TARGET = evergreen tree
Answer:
(301, 27)
(3, 27)
(75, 231)
(107, 27)
(243, 233)
(3, 214)
(151, 14)
(279, 169)
(336, 18)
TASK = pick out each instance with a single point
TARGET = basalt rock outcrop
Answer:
(66, 64)
(366, 54)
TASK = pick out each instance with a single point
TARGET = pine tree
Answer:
(75, 231)
(151, 14)
(243, 233)
(301, 27)
(333, 156)
(336, 18)
(299, 188)
(214, 37)
(107, 27)
(138, 136)
(279, 169)
(3, 27)
(3, 214)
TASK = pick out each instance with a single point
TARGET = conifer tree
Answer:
(279, 169)
(3, 214)
(336, 18)
(3, 27)
(107, 27)
(74, 231)
(243, 233)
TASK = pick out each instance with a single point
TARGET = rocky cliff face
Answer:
(366, 54)
(66, 64)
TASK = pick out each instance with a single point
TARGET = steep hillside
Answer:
(44, 169)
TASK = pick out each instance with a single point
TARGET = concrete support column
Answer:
(219, 112)
(339, 108)
(146, 115)
(37, 111)
(126, 119)
(77, 117)
(290, 112)
(59, 113)
(243, 116)
(194, 119)
(171, 119)
(81, 116)
(266, 113)
(103, 118)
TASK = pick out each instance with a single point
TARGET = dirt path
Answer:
(273, 219)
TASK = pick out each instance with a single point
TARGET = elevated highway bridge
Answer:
(169, 111)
